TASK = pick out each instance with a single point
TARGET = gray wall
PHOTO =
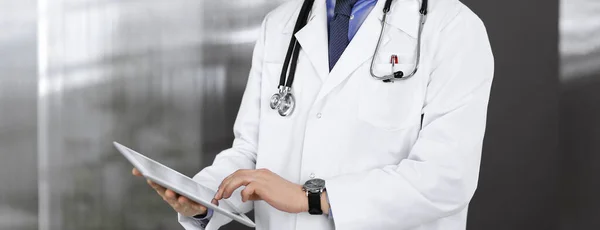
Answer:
(580, 138)
(521, 160)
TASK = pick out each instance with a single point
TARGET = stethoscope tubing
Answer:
(399, 75)
(284, 102)
(294, 48)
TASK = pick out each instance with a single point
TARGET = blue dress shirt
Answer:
(360, 11)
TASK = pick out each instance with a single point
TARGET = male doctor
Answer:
(357, 153)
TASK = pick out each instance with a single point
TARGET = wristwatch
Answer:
(314, 188)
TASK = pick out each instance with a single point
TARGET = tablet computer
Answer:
(181, 184)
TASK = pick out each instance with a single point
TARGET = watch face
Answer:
(314, 185)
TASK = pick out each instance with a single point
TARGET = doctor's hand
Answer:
(180, 204)
(263, 184)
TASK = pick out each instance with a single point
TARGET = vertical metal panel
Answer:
(18, 174)
(164, 77)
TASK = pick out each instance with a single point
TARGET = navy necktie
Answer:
(338, 30)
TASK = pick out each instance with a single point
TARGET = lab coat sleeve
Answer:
(439, 177)
(242, 154)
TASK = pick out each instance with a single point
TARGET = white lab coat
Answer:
(384, 167)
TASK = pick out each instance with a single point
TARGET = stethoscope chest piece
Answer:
(276, 101)
(283, 101)
(287, 106)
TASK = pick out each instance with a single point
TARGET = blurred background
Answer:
(580, 113)
(166, 78)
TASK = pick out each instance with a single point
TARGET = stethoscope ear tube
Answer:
(399, 75)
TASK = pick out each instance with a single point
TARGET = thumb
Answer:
(247, 193)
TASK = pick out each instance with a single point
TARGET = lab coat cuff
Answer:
(209, 214)
(190, 223)
(204, 220)
(330, 215)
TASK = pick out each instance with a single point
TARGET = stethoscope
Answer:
(284, 102)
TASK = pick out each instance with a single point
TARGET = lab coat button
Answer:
(319, 115)
(312, 176)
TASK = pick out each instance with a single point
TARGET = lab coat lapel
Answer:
(313, 38)
(358, 51)
(404, 16)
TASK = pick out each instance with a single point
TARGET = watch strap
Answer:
(314, 203)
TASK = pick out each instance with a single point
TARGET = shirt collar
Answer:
(404, 15)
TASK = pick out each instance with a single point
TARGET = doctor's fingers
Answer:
(228, 179)
(257, 174)
(159, 189)
(251, 192)
(190, 204)
(234, 183)
(136, 172)
(186, 207)
(172, 198)
(238, 173)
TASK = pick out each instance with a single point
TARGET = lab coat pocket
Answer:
(389, 106)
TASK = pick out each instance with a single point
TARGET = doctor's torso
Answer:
(344, 121)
